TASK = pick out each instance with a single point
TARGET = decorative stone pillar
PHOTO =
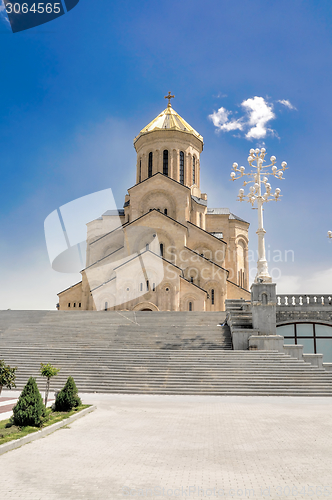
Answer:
(264, 307)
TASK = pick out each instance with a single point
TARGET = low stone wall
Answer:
(307, 308)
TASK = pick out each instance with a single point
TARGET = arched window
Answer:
(140, 171)
(147, 285)
(212, 296)
(141, 287)
(68, 304)
(154, 287)
(162, 249)
(181, 167)
(147, 246)
(264, 299)
(190, 306)
(106, 306)
(165, 211)
(194, 170)
(150, 164)
(191, 279)
(165, 162)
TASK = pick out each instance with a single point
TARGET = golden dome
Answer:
(169, 119)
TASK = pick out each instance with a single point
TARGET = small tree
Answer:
(7, 376)
(67, 398)
(48, 371)
(29, 409)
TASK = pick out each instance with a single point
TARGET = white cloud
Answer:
(318, 282)
(220, 120)
(259, 114)
(287, 103)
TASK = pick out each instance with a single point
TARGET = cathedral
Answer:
(165, 250)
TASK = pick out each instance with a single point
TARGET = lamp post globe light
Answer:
(259, 181)
(329, 234)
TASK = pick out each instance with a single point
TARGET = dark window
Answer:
(140, 171)
(68, 304)
(141, 287)
(191, 279)
(190, 306)
(181, 167)
(315, 337)
(165, 211)
(162, 249)
(147, 246)
(74, 304)
(212, 296)
(150, 165)
(147, 285)
(79, 305)
(194, 169)
(106, 306)
(154, 287)
(165, 162)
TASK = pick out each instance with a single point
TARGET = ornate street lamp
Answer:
(329, 234)
(259, 177)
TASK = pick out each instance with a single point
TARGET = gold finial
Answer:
(169, 97)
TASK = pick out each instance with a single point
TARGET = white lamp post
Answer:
(259, 177)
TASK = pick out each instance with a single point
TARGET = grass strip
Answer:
(13, 432)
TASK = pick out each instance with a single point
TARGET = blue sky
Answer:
(76, 91)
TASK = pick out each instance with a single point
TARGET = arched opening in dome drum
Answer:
(194, 170)
(150, 164)
(165, 162)
(181, 167)
(146, 310)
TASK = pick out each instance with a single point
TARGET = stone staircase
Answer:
(149, 353)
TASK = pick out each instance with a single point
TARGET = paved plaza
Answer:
(162, 447)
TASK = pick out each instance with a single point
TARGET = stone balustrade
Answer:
(304, 301)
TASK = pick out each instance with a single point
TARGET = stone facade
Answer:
(165, 250)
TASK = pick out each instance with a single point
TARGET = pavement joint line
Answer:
(17, 443)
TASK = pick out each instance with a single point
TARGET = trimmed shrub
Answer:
(29, 409)
(67, 398)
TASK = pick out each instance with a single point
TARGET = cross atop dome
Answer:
(169, 97)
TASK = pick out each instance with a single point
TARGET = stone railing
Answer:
(302, 300)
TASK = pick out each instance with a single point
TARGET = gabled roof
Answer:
(200, 201)
(73, 286)
(193, 284)
(206, 232)
(136, 256)
(133, 222)
(224, 211)
(208, 260)
(164, 177)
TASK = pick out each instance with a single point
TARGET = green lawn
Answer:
(13, 432)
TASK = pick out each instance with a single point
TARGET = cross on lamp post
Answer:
(259, 177)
